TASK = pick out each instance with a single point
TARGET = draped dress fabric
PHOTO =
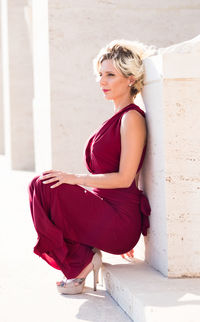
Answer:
(71, 220)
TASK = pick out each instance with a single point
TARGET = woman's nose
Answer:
(102, 81)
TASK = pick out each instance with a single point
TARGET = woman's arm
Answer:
(133, 136)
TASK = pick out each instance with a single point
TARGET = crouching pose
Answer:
(74, 223)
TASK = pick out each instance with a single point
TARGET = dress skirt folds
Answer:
(70, 220)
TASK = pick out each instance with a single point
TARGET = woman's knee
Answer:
(31, 185)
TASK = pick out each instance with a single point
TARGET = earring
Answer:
(130, 85)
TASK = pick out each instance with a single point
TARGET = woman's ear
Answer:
(131, 79)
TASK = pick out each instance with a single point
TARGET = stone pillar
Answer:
(171, 174)
(18, 86)
(41, 72)
(1, 98)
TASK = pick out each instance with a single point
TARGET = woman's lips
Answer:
(106, 90)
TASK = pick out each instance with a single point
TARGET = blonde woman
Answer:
(73, 224)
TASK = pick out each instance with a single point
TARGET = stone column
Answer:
(18, 86)
(171, 170)
(1, 98)
(41, 73)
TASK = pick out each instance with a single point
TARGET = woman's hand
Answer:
(56, 175)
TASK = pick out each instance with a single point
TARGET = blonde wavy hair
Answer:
(127, 57)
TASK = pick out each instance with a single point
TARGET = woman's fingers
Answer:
(45, 177)
(54, 175)
(50, 175)
(129, 254)
(51, 180)
(56, 185)
(48, 171)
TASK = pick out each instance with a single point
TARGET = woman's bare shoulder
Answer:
(133, 118)
(134, 115)
(133, 121)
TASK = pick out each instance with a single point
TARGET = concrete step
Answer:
(146, 295)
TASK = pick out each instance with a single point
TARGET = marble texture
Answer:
(171, 174)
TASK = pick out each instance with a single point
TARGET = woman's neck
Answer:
(123, 103)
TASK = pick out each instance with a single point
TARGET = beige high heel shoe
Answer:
(97, 263)
(76, 285)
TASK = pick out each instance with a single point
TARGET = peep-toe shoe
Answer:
(76, 285)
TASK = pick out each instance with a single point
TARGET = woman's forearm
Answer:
(105, 181)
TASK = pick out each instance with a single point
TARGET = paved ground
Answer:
(27, 283)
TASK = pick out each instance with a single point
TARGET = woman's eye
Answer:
(109, 74)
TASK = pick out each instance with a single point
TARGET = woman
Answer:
(73, 223)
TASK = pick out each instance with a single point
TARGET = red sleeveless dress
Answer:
(71, 220)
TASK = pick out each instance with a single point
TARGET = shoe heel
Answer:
(101, 277)
(97, 262)
(96, 278)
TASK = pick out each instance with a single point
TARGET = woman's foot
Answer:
(82, 274)
(76, 285)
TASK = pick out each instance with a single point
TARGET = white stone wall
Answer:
(18, 86)
(152, 179)
(41, 102)
(1, 98)
(182, 177)
(77, 30)
(171, 173)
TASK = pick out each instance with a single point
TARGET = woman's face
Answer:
(112, 82)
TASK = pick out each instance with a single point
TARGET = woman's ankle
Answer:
(85, 271)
